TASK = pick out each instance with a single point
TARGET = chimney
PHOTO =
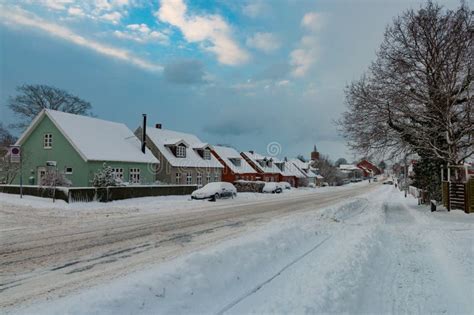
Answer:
(144, 134)
(251, 151)
(158, 126)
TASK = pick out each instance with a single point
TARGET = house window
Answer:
(189, 178)
(181, 151)
(118, 173)
(68, 170)
(208, 178)
(48, 141)
(178, 178)
(134, 175)
(216, 177)
(199, 179)
(207, 154)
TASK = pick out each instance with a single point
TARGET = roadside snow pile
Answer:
(284, 267)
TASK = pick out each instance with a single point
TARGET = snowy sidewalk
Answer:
(379, 253)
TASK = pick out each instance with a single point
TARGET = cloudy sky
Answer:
(238, 72)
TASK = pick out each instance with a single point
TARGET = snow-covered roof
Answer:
(228, 154)
(304, 167)
(163, 138)
(291, 170)
(265, 168)
(95, 139)
(348, 167)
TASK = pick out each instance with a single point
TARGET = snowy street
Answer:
(362, 249)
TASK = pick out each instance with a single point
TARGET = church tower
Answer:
(315, 154)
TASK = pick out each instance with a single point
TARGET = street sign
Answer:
(15, 154)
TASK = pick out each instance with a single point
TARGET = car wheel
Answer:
(217, 196)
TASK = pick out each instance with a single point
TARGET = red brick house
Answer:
(368, 168)
(235, 166)
(265, 167)
(291, 174)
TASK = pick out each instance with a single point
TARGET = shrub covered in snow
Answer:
(104, 177)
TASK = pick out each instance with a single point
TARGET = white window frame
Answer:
(216, 177)
(48, 141)
(134, 176)
(178, 178)
(189, 178)
(208, 178)
(199, 179)
(206, 155)
(68, 172)
(180, 151)
(118, 173)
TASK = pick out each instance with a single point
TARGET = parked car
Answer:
(388, 182)
(285, 185)
(312, 185)
(325, 184)
(272, 187)
(215, 190)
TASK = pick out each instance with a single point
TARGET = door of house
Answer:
(41, 174)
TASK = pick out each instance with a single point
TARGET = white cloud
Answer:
(266, 42)
(210, 30)
(56, 4)
(75, 11)
(17, 17)
(306, 54)
(312, 21)
(303, 57)
(255, 8)
(112, 17)
(141, 33)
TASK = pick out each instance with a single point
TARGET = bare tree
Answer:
(31, 99)
(6, 140)
(340, 161)
(8, 170)
(418, 95)
(331, 174)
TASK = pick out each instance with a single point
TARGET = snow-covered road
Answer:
(368, 254)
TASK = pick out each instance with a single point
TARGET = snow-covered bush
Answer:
(104, 177)
(53, 178)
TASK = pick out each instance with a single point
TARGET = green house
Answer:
(77, 146)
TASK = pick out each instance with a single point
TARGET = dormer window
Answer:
(281, 166)
(269, 163)
(206, 154)
(236, 162)
(181, 151)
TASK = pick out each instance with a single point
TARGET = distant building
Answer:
(235, 166)
(265, 167)
(368, 168)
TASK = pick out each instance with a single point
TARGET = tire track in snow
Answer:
(262, 284)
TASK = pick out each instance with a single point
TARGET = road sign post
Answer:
(15, 157)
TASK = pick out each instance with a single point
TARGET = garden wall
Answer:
(88, 194)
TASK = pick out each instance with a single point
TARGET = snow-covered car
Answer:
(325, 184)
(312, 185)
(215, 190)
(272, 187)
(388, 182)
(285, 185)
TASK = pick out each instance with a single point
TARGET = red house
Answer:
(368, 168)
(265, 166)
(235, 166)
